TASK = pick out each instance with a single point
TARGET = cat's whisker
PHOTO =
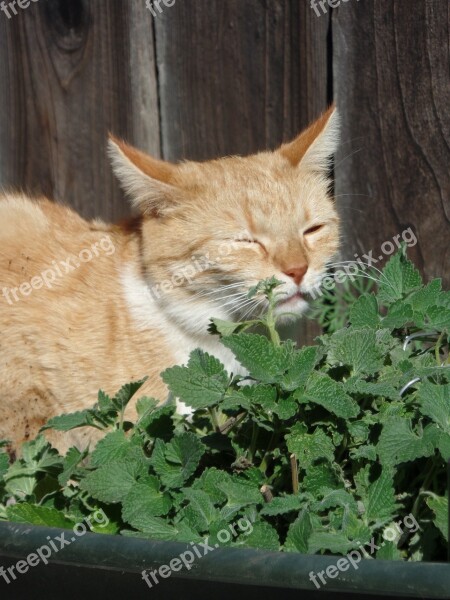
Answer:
(218, 300)
(348, 156)
(216, 291)
(383, 278)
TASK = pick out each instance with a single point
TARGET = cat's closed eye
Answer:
(313, 229)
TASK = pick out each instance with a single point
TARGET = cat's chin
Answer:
(291, 308)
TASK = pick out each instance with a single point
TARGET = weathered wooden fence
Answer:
(212, 77)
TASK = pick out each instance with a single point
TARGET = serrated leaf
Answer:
(200, 512)
(398, 442)
(302, 365)
(381, 503)
(176, 461)
(399, 315)
(156, 528)
(38, 515)
(144, 500)
(439, 506)
(262, 536)
(309, 448)
(434, 401)
(389, 551)
(425, 297)
(357, 349)
(319, 476)
(71, 462)
(112, 482)
(126, 392)
(299, 533)
(4, 464)
(264, 361)
(113, 446)
(209, 481)
(202, 383)
(239, 494)
(377, 390)
(104, 401)
(69, 421)
(286, 408)
(364, 312)
(224, 328)
(330, 394)
(367, 452)
(335, 542)
(399, 278)
(283, 505)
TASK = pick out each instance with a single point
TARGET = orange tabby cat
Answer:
(86, 305)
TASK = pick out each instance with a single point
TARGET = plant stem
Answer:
(214, 421)
(254, 440)
(294, 472)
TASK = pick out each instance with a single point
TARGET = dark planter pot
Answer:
(104, 566)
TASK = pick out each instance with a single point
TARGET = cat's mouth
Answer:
(291, 299)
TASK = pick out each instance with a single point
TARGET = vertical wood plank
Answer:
(237, 77)
(392, 63)
(69, 71)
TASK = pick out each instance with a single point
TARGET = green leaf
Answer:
(299, 533)
(398, 442)
(439, 506)
(389, 551)
(330, 394)
(126, 392)
(398, 279)
(262, 536)
(434, 403)
(176, 461)
(224, 328)
(357, 349)
(399, 315)
(156, 528)
(4, 464)
(104, 402)
(320, 476)
(69, 421)
(38, 515)
(377, 390)
(282, 505)
(113, 446)
(301, 368)
(364, 312)
(425, 297)
(335, 542)
(201, 384)
(209, 482)
(381, 504)
(112, 482)
(71, 462)
(309, 448)
(200, 512)
(239, 494)
(144, 500)
(367, 452)
(259, 356)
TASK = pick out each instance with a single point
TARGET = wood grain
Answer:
(391, 75)
(70, 72)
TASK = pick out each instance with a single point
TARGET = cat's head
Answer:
(212, 230)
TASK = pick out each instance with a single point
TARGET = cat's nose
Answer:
(297, 273)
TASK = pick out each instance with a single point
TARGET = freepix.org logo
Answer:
(154, 6)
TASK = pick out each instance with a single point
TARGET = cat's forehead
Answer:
(263, 182)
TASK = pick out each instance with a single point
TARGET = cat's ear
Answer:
(314, 147)
(147, 181)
